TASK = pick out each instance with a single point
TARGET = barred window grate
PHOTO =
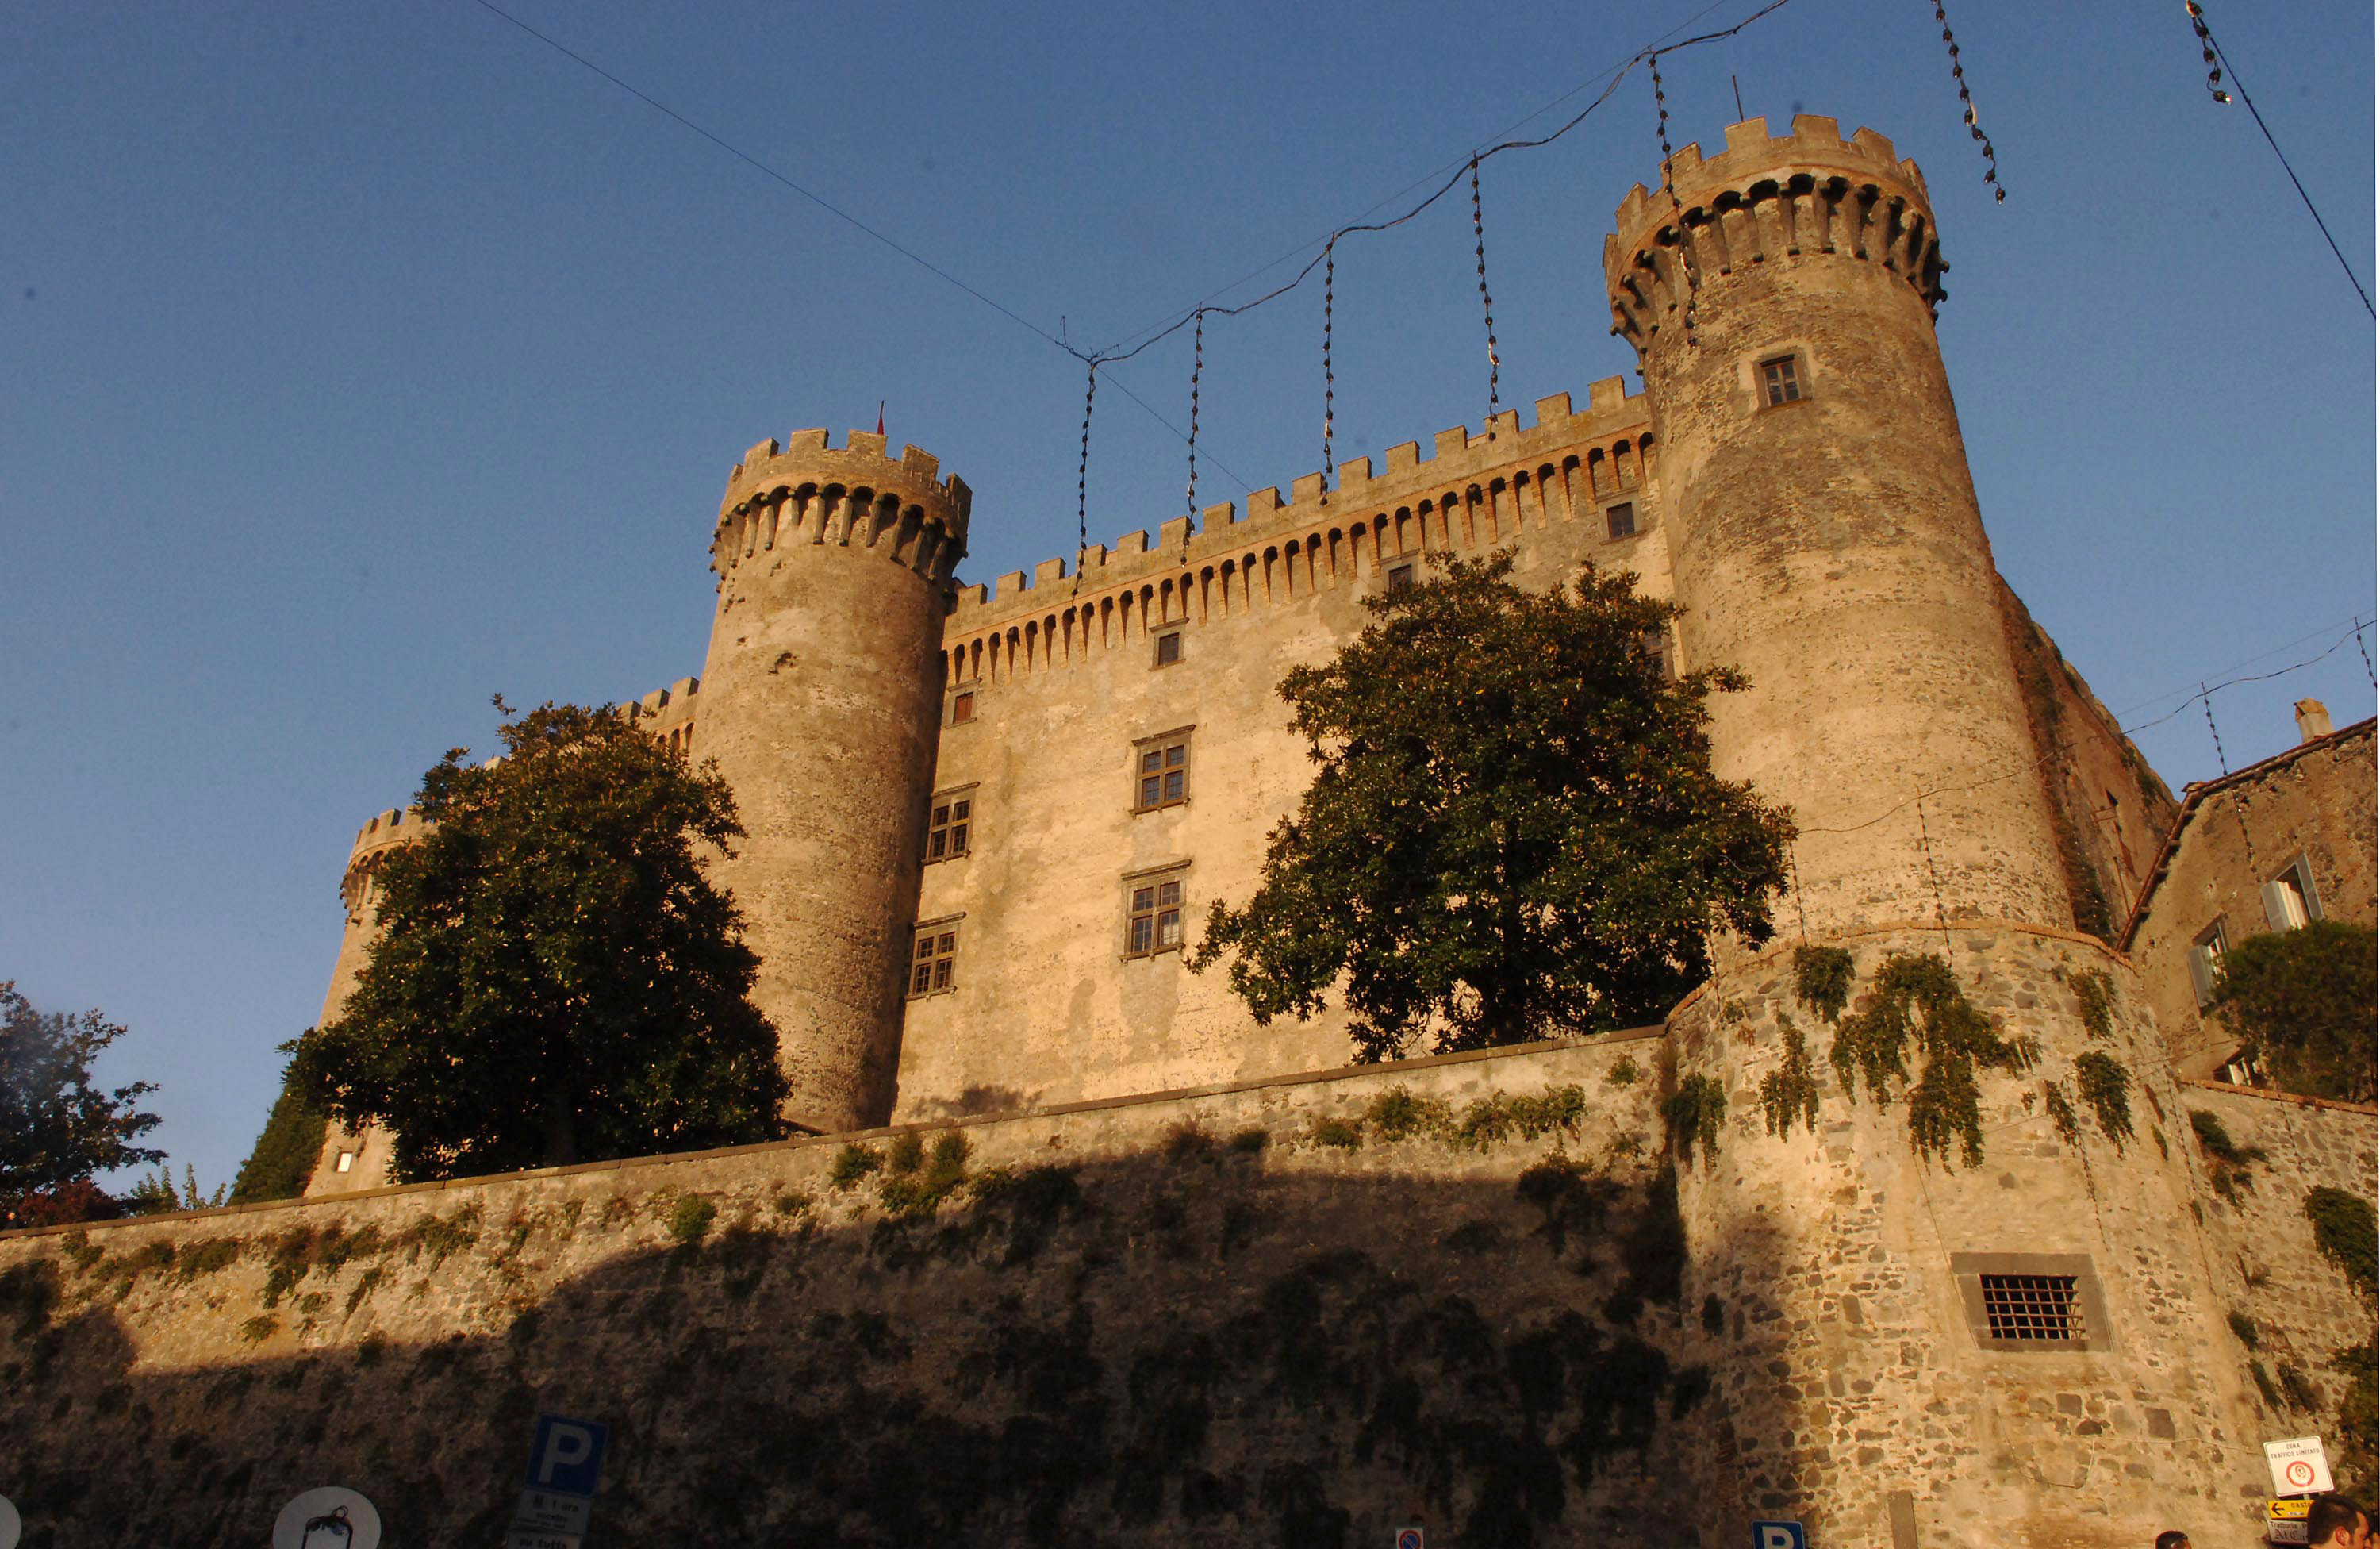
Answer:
(2043, 1307)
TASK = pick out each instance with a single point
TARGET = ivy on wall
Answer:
(1916, 999)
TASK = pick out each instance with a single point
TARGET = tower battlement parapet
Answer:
(1458, 459)
(851, 497)
(1766, 198)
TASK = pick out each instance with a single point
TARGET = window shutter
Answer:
(2276, 907)
(2201, 976)
(2305, 870)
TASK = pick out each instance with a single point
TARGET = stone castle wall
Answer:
(1174, 1319)
(2305, 1312)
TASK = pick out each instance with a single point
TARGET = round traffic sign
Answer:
(329, 1517)
(2301, 1474)
(12, 1527)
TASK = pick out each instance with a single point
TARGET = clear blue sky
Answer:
(359, 362)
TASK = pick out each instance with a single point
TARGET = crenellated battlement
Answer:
(1767, 198)
(1459, 463)
(851, 497)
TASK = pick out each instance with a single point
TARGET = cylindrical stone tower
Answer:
(1826, 538)
(821, 701)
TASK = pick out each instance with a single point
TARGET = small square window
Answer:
(2032, 1302)
(1161, 775)
(1400, 578)
(1153, 917)
(949, 822)
(930, 964)
(1622, 519)
(1169, 648)
(347, 1161)
(2032, 1306)
(962, 707)
(1780, 380)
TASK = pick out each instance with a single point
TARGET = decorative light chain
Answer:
(1329, 282)
(2206, 50)
(1487, 303)
(1669, 187)
(1083, 476)
(1967, 103)
(1197, 364)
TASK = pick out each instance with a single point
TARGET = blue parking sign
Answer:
(1778, 1536)
(567, 1457)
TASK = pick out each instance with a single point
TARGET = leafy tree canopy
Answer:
(2303, 1001)
(554, 978)
(55, 1127)
(1513, 828)
(283, 1163)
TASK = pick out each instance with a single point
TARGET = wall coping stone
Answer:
(2296, 1098)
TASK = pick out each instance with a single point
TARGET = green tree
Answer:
(57, 1129)
(1513, 827)
(554, 980)
(283, 1161)
(2302, 1002)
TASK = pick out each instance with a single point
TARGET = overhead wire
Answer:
(2222, 62)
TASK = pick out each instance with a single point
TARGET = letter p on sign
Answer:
(1778, 1535)
(568, 1455)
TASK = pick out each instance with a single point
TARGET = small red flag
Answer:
(879, 415)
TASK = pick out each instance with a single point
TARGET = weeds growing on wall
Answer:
(1693, 1113)
(924, 1185)
(2061, 1109)
(853, 1162)
(2094, 994)
(2244, 1329)
(905, 1156)
(1822, 981)
(2228, 1162)
(2263, 1379)
(2106, 1089)
(690, 1219)
(1916, 997)
(1791, 1091)
(2357, 1457)
(257, 1330)
(2345, 1232)
(2296, 1391)
(1624, 1073)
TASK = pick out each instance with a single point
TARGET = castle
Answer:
(982, 817)
(981, 822)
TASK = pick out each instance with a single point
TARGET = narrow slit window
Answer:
(1780, 380)
(929, 966)
(1156, 919)
(2037, 1307)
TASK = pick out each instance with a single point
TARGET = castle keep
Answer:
(1209, 1283)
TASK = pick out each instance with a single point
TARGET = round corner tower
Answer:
(821, 701)
(1827, 542)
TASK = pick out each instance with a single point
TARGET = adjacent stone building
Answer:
(2271, 847)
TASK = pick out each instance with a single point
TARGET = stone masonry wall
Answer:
(1304, 1311)
(1848, 1368)
(2303, 1309)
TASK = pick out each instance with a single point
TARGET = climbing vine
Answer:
(2347, 1232)
(1693, 1113)
(2095, 994)
(2061, 1109)
(1917, 997)
(2105, 1086)
(1821, 980)
(1791, 1091)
